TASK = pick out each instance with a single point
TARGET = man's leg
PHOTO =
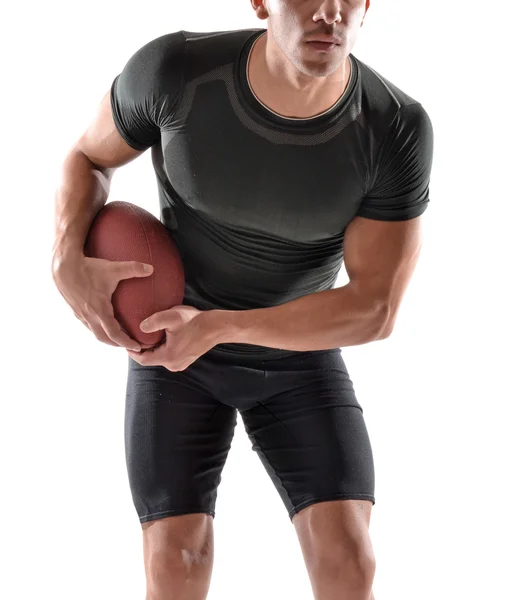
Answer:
(337, 549)
(178, 557)
(310, 434)
(177, 437)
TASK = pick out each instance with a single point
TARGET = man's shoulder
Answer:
(381, 98)
(195, 43)
(215, 38)
(198, 51)
(208, 50)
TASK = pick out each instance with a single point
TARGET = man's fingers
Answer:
(96, 330)
(150, 324)
(146, 359)
(108, 328)
(101, 335)
(132, 268)
(116, 333)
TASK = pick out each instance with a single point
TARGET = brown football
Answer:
(124, 231)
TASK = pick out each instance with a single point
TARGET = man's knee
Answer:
(336, 544)
(352, 566)
(178, 553)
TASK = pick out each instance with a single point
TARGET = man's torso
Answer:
(257, 203)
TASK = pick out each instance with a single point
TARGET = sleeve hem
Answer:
(417, 211)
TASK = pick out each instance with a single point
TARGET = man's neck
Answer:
(288, 92)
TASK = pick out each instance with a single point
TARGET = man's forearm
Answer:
(318, 321)
(82, 192)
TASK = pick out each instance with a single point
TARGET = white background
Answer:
(433, 394)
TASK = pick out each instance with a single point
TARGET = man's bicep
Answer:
(380, 258)
(102, 143)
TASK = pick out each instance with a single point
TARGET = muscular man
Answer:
(279, 157)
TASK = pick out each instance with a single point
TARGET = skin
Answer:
(380, 258)
(286, 73)
(296, 81)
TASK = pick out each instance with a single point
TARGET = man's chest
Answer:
(293, 189)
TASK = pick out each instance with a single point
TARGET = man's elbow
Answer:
(385, 323)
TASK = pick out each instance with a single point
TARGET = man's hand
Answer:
(87, 285)
(189, 335)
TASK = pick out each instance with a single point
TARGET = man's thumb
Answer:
(130, 269)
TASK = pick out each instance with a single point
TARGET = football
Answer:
(123, 231)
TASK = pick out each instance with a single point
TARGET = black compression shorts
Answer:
(300, 413)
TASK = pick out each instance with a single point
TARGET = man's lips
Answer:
(327, 40)
(323, 46)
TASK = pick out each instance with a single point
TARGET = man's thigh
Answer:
(309, 431)
(177, 438)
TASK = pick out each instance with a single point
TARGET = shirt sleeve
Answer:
(145, 94)
(400, 189)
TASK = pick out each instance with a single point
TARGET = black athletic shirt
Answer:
(256, 202)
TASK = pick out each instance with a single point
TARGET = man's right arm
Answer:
(129, 120)
(141, 99)
(85, 181)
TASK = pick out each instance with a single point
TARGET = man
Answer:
(278, 158)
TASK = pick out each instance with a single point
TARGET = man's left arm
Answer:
(381, 248)
(380, 258)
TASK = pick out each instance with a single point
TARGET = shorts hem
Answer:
(306, 503)
(174, 512)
